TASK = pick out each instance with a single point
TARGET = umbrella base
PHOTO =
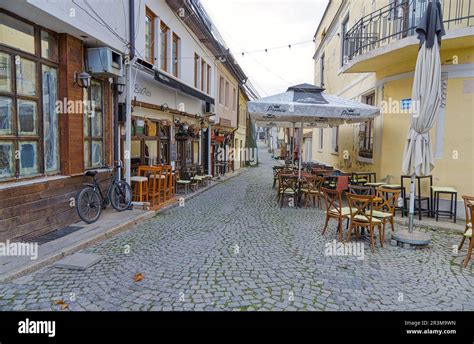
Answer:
(406, 239)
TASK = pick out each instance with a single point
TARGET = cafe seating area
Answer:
(159, 185)
(361, 204)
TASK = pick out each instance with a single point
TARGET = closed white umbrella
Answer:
(426, 100)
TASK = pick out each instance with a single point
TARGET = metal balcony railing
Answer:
(399, 20)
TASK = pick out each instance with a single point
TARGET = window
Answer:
(322, 69)
(49, 45)
(344, 42)
(203, 75)
(93, 126)
(175, 53)
(221, 90)
(197, 71)
(366, 133)
(208, 86)
(335, 140)
(321, 139)
(17, 34)
(164, 46)
(227, 90)
(28, 95)
(234, 99)
(150, 36)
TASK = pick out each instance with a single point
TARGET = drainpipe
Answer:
(128, 122)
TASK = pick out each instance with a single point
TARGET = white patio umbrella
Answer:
(310, 107)
(426, 100)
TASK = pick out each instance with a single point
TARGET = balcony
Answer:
(388, 35)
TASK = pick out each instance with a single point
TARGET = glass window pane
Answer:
(87, 161)
(6, 159)
(96, 94)
(50, 119)
(86, 125)
(151, 152)
(5, 73)
(27, 116)
(96, 153)
(6, 114)
(164, 152)
(49, 46)
(97, 124)
(25, 76)
(16, 33)
(28, 158)
(195, 152)
(136, 148)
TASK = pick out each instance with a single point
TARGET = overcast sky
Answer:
(248, 25)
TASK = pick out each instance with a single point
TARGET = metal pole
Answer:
(412, 203)
(128, 125)
(300, 150)
(292, 146)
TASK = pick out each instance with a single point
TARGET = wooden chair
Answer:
(385, 209)
(151, 173)
(334, 209)
(360, 190)
(140, 188)
(287, 187)
(166, 185)
(469, 208)
(276, 172)
(361, 209)
(312, 189)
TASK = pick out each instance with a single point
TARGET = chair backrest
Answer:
(333, 200)
(389, 199)
(468, 200)
(287, 182)
(360, 190)
(277, 170)
(359, 205)
(342, 183)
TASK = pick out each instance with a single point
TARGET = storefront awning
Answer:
(166, 80)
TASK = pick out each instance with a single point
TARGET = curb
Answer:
(38, 264)
(51, 258)
(438, 227)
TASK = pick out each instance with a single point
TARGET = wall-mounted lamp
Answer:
(82, 79)
(119, 86)
(165, 107)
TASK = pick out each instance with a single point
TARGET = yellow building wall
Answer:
(391, 129)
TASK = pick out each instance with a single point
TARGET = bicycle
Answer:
(90, 200)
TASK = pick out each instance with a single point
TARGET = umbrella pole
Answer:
(412, 203)
(292, 146)
(299, 150)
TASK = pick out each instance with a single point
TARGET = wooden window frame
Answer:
(203, 74)
(367, 134)
(208, 88)
(151, 48)
(38, 60)
(175, 51)
(164, 31)
(221, 90)
(91, 138)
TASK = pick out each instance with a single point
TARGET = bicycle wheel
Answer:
(88, 205)
(120, 195)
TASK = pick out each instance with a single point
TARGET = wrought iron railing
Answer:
(399, 20)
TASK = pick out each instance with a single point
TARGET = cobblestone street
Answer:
(233, 248)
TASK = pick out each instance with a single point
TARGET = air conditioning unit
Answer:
(104, 62)
(209, 108)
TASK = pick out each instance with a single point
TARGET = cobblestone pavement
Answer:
(233, 248)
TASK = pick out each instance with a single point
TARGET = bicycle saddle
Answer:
(91, 173)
